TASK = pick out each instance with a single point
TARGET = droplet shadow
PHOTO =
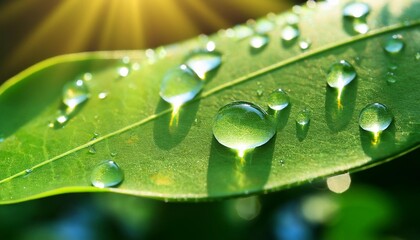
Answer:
(339, 110)
(169, 130)
(382, 147)
(229, 175)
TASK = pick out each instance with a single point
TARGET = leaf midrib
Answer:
(239, 80)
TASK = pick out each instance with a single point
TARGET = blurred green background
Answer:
(380, 204)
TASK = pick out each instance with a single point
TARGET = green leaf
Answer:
(183, 161)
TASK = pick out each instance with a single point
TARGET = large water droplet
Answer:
(340, 74)
(242, 125)
(394, 45)
(180, 85)
(356, 10)
(75, 93)
(203, 62)
(106, 174)
(258, 41)
(339, 183)
(375, 118)
(278, 100)
(290, 33)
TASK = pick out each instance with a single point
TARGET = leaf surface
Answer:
(182, 161)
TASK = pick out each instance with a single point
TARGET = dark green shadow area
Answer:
(383, 147)
(338, 112)
(169, 131)
(280, 117)
(27, 98)
(228, 174)
(290, 43)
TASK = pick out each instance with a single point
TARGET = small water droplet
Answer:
(102, 95)
(391, 78)
(394, 44)
(113, 154)
(259, 41)
(92, 149)
(210, 46)
(305, 44)
(375, 118)
(278, 100)
(28, 171)
(135, 66)
(242, 126)
(356, 10)
(203, 62)
(303, 117)
(123, 71)
(392, 66)
(417, 57)
(260, 92)
(340, 74)
(180, 85)
(290, 33)
(106, 174)
(75, 93)
(126, 59)
(282, 162)
(263, 26)
(242, 31)
(59, 122)
(87, 76)
(360, 26)
(292, 19)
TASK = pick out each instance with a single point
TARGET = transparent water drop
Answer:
(28, 171)
(339, 183)
(210, 46)
(126, 59)
(75, 93)
(180, 85)
(59, 121)
(135, 66)
(242, 126)
(303, 117)
(417, 56)
(123, 71)
(113, 154)
(340, 74)
(103, 95)
(106, 174)
(262, 26)
(203, 62)
(242, 31)
(260, 92)
(375, 118)
(258, 41)
(305, 44)
(392, 66)
(394, 44)
(292, 19)
(92, 149)
(391, 78)
(278, 100)
(356, 10)
(87, 76)
(290, 33)
(360, 26)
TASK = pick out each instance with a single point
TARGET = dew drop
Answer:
(203, 62)
(28, 171)
(375, 118)
(278, 100)
(263, 26)
(259, 41)
(292, 19)
(75, 93)
(123, 71)
(340, 74)
(59, 121)
(87, 76)
(417, 56)
(290, 33)
(210, 46)
(391, 78)
(303, 117)
(92, 149)
(106, 174)
(242, 126)
(360, 26)
(242, 31)
(103, 95)
(339, 183)
(180, 85)
(113, 154)
(394, 44)
(356, 10)
(305, 44)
